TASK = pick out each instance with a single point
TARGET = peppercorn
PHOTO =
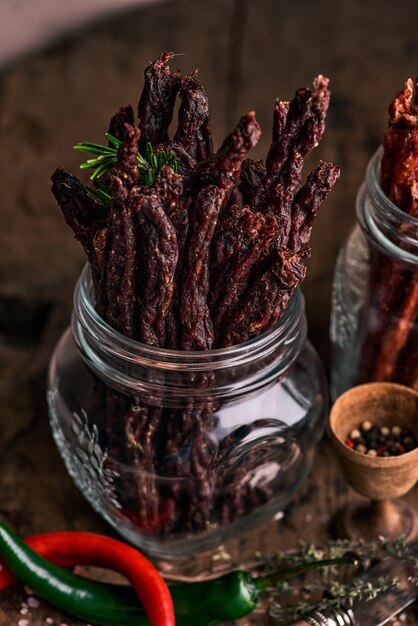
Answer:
(375, 440)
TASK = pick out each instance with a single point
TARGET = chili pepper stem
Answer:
(274, 578)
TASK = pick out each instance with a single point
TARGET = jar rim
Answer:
(374, 187)
(133, 350)
(390, 228)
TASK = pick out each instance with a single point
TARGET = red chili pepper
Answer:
(68, 549)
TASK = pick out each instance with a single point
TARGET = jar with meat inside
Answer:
(180, 450)
(374, 329)
(186, 402)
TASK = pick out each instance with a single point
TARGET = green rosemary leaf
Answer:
(99, 196)
(94, 148)
(148, 152)
(106, 159)
(114, 141)
(100, 171)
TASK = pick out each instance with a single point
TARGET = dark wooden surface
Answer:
(248, 53)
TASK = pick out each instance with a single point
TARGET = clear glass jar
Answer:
(374, 330)
(181, 450)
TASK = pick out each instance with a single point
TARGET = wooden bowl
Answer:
(378, 478)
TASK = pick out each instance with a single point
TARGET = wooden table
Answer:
(248, 53)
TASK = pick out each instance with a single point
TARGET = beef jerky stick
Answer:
(227, 245)
(88, 225)
(260, 303)
(307, 202)
(259, 232)
(404, 186)
(121, 267)
(193, 114)
(127, 153)
(252, 173)
(170, 189)
(99, 267)
(126, 300)
(223, 168)
(276, 154)
(224, 239)
(305, 124)
(115, 263)
(185, 162)
(117, 125)
(135, 421)
(80, 213)
(204, 143)
(162, 251)
(395, 337)
(156, 104)
(197, 327)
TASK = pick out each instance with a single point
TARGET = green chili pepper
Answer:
(205, 603)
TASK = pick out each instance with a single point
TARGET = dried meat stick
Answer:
(117, 125)
(116, 255)
(127, 300)
(170, 188)
(197, 327)
(156, 104)
(162, 254)
(127, 154)
(276, 154)
(305, 124)
(80, 213)
(223, 168)
(99, 268)
(135, 419)
(265, 301)
(88, 225)
(394, 338)
(121, 272)
(193, 116)
(227, 238)
(204, 147)
(252, 173)
(260, 232)
(404, 186)
(307, 202)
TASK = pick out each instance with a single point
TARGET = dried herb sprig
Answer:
(339, 592)
(106, 159)
(339, 595)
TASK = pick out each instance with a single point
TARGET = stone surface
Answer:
(248, 53)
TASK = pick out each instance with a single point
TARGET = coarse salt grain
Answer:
(28, 591)
(33, 602)
(24, 610)
(49, 620)
(23, 622)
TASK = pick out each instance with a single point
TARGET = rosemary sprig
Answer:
(106, 159)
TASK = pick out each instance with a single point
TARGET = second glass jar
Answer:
(374, 329)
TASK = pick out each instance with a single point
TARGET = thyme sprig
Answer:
(341, 587)
(106, 159)
(339, 595)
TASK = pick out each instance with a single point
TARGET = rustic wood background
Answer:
(248, 53)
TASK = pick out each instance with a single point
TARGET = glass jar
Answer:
(180, 450)
(374, 331)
